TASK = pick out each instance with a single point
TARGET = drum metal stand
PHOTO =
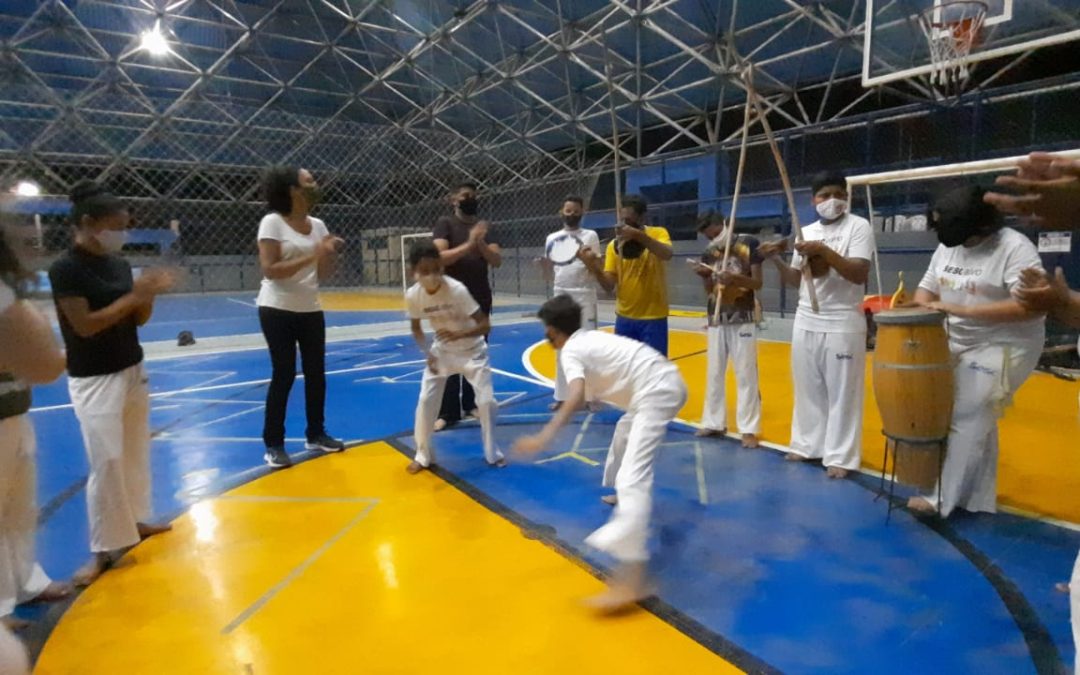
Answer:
(939, 443)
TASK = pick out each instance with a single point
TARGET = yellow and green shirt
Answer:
(642, 282)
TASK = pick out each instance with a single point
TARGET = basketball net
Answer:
(952, 30)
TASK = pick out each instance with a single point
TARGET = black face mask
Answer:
(960, 215)
(468, 206)
(571, 221)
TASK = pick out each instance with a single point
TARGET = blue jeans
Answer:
(652, 332)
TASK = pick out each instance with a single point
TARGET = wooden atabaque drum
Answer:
(913, 385)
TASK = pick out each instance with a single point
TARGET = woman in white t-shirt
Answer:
(295, 252)
(994, 340)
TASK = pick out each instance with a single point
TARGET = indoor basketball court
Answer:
(347, 562)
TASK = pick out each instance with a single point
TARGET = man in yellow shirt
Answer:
(638, 275)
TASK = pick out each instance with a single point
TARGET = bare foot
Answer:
(440, 424)
(498, 464)
(836, 472)
(794, 457)
(54, 592)
(594, 406)
(750, 441)
(555, 406)
(610, 500)
(709, 433)
(94, 568)
(921, 505)
(415, 467)
(1062, 587)
(13, 623)
(629, 585)
(147, 530)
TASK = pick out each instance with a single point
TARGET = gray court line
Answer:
(313, 500)
(293, 575)
(702, 486)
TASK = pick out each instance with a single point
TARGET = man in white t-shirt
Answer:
(828, 347)
(573, 278)
(458, 349)
(995, 342)
(630, 375)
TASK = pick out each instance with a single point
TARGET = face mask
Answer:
(831, 209)
(430, 282)
(112, 240)
(571, 222)
(312, 195)
(468, 206)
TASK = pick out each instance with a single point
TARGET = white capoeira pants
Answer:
(114, 414)
(21, 577)
(586, 297)
(13, 659)
(1074, 611)
(476, 369)
(829, 370)
(984, 380)
(739, 342)
(631, 462)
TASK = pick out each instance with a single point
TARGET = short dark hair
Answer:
(708, 219)
(577, 200)
(562, 314)
(827, 178)
(423, 250)
(636, 202)
(94, 200)
(276, 185)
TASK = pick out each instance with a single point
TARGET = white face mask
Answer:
(430, 282)
(112, 240)
(831, 209)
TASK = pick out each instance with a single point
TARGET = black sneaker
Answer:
(324, 443)
(277, 457)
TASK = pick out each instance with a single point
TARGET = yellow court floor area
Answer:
(367, 301)
(1038, 468)
(346, 564)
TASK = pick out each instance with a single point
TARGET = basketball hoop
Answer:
(952, 30)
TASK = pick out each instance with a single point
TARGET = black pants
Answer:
(459, 397)
(284, 331)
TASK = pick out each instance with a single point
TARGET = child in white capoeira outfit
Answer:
(458, 349)
(635, 377)
(828, 347)
(734, 334)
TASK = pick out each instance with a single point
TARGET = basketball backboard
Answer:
(896, 47)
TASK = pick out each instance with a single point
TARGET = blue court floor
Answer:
(766, 562)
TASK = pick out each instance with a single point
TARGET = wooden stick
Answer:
(751, 94)
(617, 163)
(734, 208)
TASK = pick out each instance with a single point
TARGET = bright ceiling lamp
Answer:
(154, 41)
(26, 188)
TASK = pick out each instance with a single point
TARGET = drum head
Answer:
(910, 316)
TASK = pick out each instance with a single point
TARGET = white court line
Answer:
(243, 302)
(219, 439)
(221, 419)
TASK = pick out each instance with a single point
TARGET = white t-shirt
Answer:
(7, 297)
(300, 292)
(839, 300)
(574, 276)
(614, 368)
(982, 274)
(449, 308)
